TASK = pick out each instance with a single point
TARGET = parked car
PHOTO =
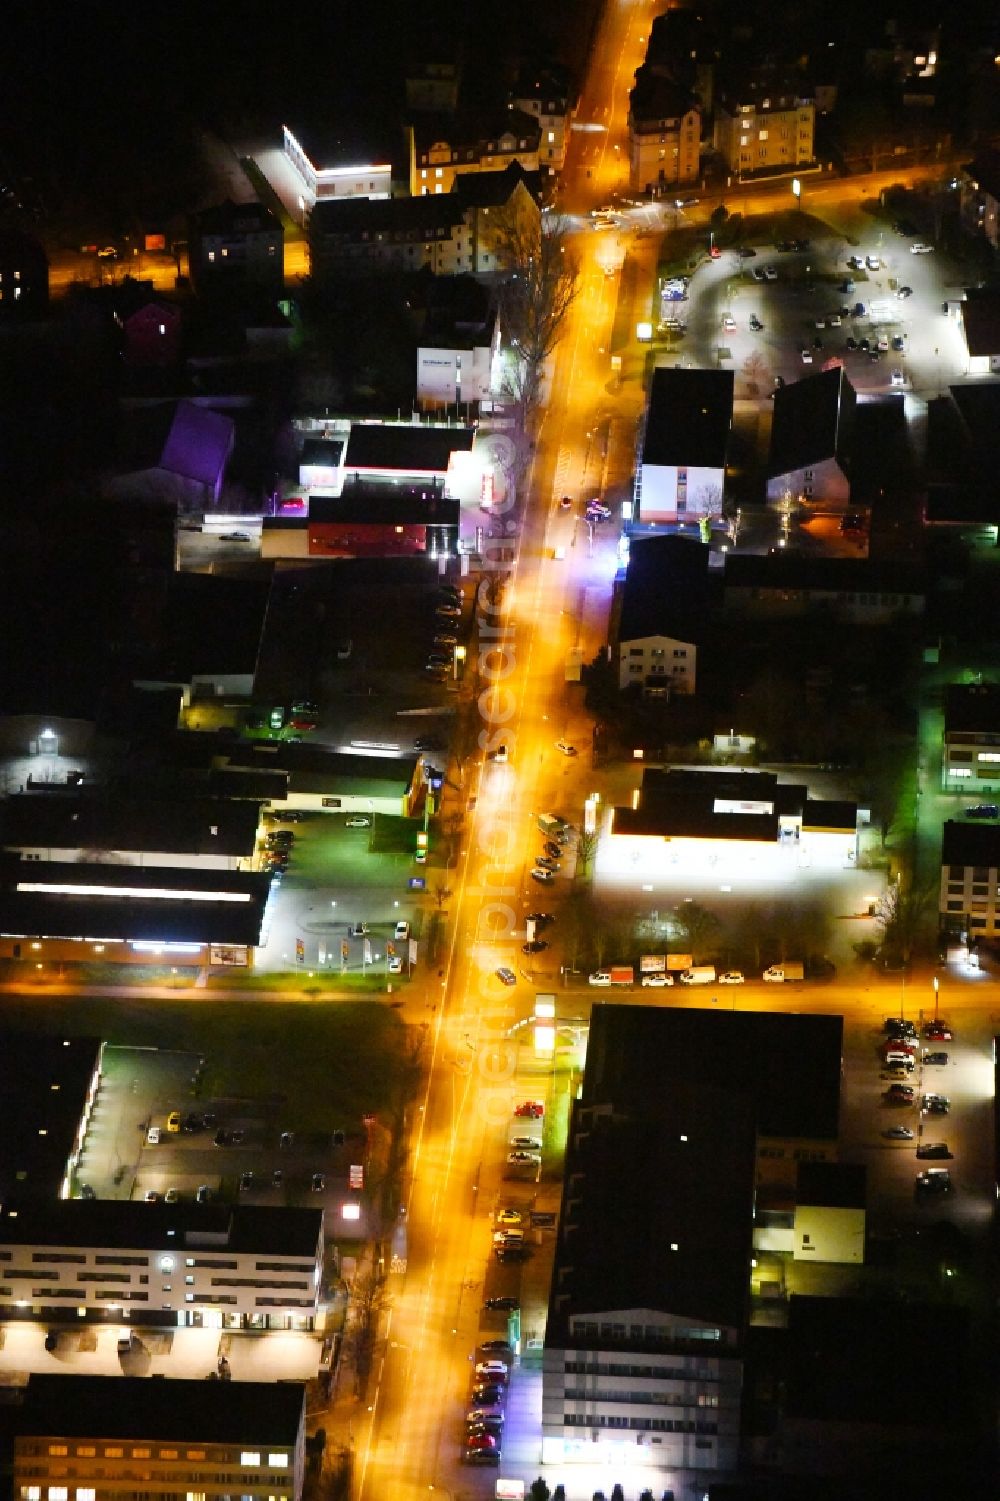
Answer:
(899, 1133)
(523, 1158)
(920, 247)
(544, 877)
(938, 1032)
(508, 1216)
(934, 1180)
(732, 977)
(534, 946)
(203, 1194)
(903, 292)
(656, 981)
(526, 1143)
(533, 1109)
(934, 1149)
(359, 821)
(246, 1181)
(935, 1058)
(501, 1305)
(770, 273)
(983, 810)
(540, 919)
(505, 975)
(318, 1183)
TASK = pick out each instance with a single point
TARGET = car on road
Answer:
(834, 320)
(935, 1058)
(505, 975)
(899, 1133)
(358, 822)
(596, 507)
(545, 877)
(508, 1217)
(502, 1305)
(448, 612)
(934, 1180)
(898, 343)
(898, 1070)
(905, 227)
(511, 1253)
(531, 1109)
(935, 1104)
(934, 1149)
(920, 247)
(858, 310)
(534, 946)
(903, 292)
(732, 977)
(482, 1448)
(654, 982)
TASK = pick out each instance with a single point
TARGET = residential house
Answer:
(458, 345)
(790, 585)
(184, 1265)
(327, 167)
(971, 750)
(765, 117)
(681, 473)
(197, 1438)
(544, 94)
(496, 203)
(660, 616)
(969, 899)
(980, 324)
(664, 126)
(432, 85)
(812, 442)
(444, 147)
(24, 274)
(358, 236)
(979, 200)
(151, 331)
(237, 247)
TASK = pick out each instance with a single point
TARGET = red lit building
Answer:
(370, 520)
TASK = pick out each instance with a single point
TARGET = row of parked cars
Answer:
(899, 1056)
(447, 618)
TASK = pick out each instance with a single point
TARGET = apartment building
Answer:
(445, 147)
(765, 120)
(543, 94)
(113, 1438)
(684, 449)
(660, 619)
(237, 245)
(969, 900)
(664, 127)
(812, 441)
(971, 758)
(182, 1265)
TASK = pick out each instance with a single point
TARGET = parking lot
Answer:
(790, 292)
(152, 1133)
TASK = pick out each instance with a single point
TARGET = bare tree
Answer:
(755, 370)
(586, 849)
(539, 286)
(441, 893)
(699, 927)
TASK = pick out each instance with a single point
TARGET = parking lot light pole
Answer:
(936, 986)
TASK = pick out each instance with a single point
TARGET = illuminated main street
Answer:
(407, 1438)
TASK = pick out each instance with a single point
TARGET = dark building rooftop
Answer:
(657, 1210)
(135, 1408)
(493, 189)
(405, 448)
(107, 821)
(799, 571)
(972, 708)
(43, 1092)
(236, 218)
(665, 591)
(61, 899)
(689, 418)
(655, 98)
(375, 504)
(276, 1230)
(787, 1066)
(832, 1185)
(813, 421)
(970, 843)
(429, 217)
(981, 321)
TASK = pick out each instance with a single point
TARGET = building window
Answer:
(58, 1493)
(249, 1457)
(58, 1449)
(113, 1453)
(86, 1493)
(762, 135)
(277, 1461)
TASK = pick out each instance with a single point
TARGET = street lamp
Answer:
(797, 191)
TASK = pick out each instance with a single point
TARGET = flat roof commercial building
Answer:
(47, 1090)
(184, 1265)
(107, 1435)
